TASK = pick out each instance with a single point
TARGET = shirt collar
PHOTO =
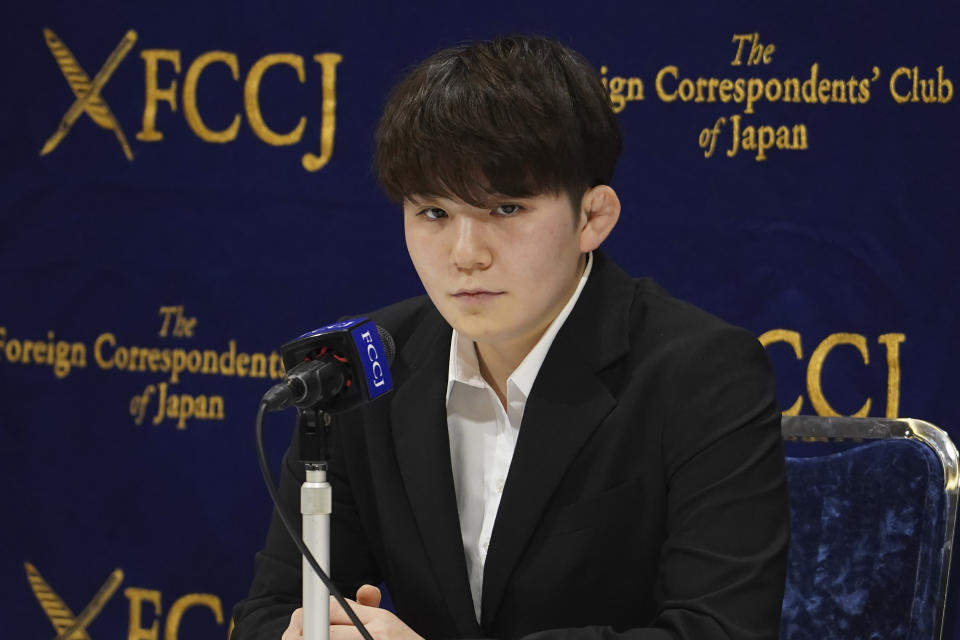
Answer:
(465, 368)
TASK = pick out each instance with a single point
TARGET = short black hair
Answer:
(516, 115)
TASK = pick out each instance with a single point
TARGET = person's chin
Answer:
(476, 327)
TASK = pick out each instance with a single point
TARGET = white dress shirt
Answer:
(483, 435)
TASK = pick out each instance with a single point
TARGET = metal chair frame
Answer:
(842, 429)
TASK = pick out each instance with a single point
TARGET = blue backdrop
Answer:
(186, 186)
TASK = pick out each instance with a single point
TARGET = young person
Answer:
(568, 452)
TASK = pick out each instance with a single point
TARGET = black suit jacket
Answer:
(646, 496)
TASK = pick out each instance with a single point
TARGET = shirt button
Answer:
(484, 545)
(500, 485)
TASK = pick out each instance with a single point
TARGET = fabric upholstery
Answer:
(866, 536)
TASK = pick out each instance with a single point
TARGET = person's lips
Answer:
(475, 294)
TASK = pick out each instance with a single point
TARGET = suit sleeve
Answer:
(276, 588)
(723, 563)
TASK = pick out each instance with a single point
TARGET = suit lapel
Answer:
(419, 425)
(566, 404)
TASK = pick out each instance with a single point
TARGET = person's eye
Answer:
(433, 213)
(507, 209)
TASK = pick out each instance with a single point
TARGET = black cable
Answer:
(294, 535)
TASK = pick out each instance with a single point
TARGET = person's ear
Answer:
(599, 212)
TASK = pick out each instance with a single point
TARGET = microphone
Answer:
(334, 368)
(331, 369)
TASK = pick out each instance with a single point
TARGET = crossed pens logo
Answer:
(67, 625)
(87, 92)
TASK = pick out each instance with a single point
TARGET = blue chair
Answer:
(872, 523)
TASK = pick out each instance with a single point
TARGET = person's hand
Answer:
(381, 624)
(295, 628)
(367, 595)
(368, 598)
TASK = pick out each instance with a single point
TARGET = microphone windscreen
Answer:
(389, 347)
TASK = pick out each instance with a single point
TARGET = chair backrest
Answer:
(872, 528)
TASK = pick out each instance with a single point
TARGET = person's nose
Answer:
(471, 249)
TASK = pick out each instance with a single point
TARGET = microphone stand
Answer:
(316, 504)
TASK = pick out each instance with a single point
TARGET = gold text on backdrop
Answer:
(71, 627)
(814, 378)
(157, 62)
(753, 56)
